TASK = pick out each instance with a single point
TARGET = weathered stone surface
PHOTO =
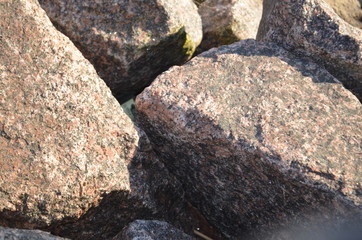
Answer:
(64, 139)
(71, 161)
(129, 42)
(311, 27)
(20, 234)
(228, 21)
(151, 230)
(349, 10)
(257, 136)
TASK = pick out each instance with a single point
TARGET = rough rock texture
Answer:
(256, 135)
(129, 42)
(349, 10)
(151, 230)
(228, 21)
(198, 2)
(19, 234)
(71, 161)
(311, 27)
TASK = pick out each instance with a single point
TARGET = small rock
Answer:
(151, 230)
(228, 21)
(21, 234)
(257, 136)
(312, 28)
(129, 42)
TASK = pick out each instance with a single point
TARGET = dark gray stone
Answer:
(151, 230)
(21, 234)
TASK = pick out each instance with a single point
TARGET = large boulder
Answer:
(20, 234)
(257, 136)
(151, 230)
(71, 161)
(312, 28)
(228, 21)
(349, 10)
(129, 42)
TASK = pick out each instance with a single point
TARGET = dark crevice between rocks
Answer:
(125, 84)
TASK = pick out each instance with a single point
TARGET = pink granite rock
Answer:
(228, 21)
(312, 28)
(257, 136)
(71, 161)
(129, 42)
(64, 139)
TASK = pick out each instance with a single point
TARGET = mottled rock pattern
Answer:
(349, 10)
(312, 28)
(257, 136)
(129, 42)
(71, 161)
(65, 140)
(228, 21)
(151, 230)
(20, 234)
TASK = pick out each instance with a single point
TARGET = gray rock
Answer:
(228, 21)
(129, 42)
(151, 230)
(312, 28)
(21, 234)
(257, 136)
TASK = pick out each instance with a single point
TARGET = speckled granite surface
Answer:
(129, 42)
(257, 136)
(71, 161)
(312, 28)
(20, 234)
(228, 21)
(151, 230)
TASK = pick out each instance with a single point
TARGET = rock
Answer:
(349, 10)
(312, 28)
(257, 136)
(129, 42)
(151, 230)
(228, 21)
(20, 234)
(71, 161)
(57, 119)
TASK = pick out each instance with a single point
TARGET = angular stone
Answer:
(129, 42)
(349, 10)
(151, 230)
(71, 161)
(312, 28)
(227, 21)
(257, 136)
(65, 140)
(20, 234)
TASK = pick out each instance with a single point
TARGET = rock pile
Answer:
(129, 42)
(245, 141)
